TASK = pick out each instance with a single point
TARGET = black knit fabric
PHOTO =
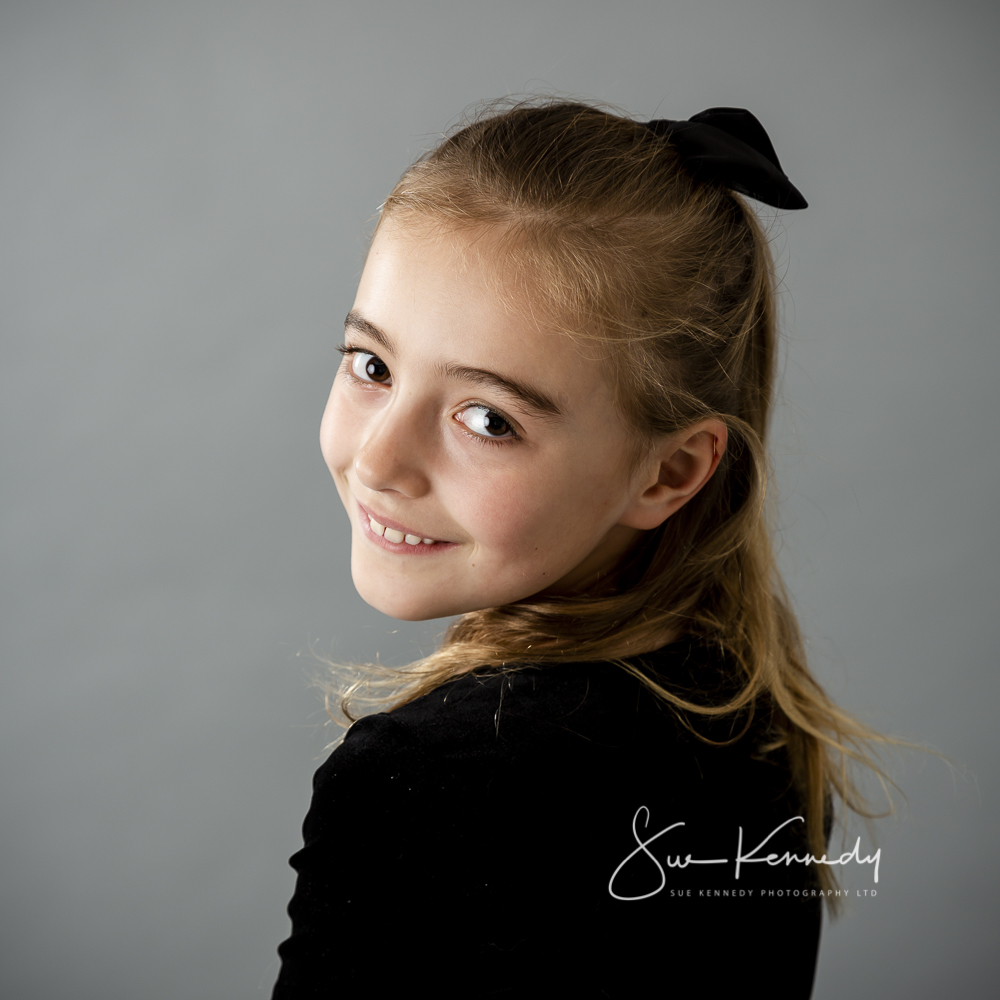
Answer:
(464, 846)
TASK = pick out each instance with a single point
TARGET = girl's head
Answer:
(550, 421)
(464, 417)
(558, 337)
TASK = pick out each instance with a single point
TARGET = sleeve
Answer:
(407, 878)
(362, 837)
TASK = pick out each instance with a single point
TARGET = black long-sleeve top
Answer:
(513, 835)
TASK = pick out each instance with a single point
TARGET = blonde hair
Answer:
(674, 279)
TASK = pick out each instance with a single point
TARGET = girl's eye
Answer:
(485, 422)
(369, 367)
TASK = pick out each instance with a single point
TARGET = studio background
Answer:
(184, 193)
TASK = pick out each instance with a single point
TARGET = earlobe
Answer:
(678, 467)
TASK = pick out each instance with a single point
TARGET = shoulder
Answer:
(481, 720)
(562, 702)
(555, 711)
(567, 703)
(544, 731)
(556, 708)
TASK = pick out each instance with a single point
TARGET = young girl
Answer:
(615, 776)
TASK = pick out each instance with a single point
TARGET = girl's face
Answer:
(477, 452)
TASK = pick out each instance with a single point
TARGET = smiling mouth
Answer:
(392, 535)
(398, 538)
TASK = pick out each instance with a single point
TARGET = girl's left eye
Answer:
(485, 422)
(369, 367)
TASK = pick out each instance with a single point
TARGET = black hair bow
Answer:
(730, 147)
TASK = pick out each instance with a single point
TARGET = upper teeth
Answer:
(397, 536)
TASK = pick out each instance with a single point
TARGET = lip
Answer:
(365, 515)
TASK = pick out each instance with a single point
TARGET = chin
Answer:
(402, 605)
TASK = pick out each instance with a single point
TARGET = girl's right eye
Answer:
(369, 367)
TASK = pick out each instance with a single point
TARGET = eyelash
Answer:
(347, 352)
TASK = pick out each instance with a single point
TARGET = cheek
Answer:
(548, 514)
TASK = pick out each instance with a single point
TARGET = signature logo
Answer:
(643, 842)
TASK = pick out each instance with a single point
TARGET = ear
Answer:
(677, 467)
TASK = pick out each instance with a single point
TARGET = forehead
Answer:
(444, 294)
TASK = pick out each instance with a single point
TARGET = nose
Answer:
(393, 457)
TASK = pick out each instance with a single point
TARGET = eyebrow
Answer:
(530, 397)
(533, 399)
(356, 321)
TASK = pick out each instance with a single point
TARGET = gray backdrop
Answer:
(185, 189)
